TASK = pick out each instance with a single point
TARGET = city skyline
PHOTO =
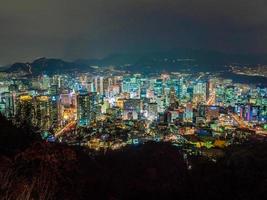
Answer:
(61, 105)
(133, 99)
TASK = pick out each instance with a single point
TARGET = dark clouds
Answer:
(91, 28)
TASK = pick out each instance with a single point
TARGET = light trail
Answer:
(239, 121)
(65, 128)
(211, 99)
(242, 124)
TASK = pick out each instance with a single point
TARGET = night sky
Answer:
(72, 29)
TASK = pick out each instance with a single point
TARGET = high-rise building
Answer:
(99, 84)
(85, 108)
(44, 82)
(54, 90)
(173, 99)
(200, 90)
(7, 104)
(158, 87)
(25, 109)
(152, 111)
(42, 112)
(131, 86)
(229, 97)
(54, 107)
(189, 112)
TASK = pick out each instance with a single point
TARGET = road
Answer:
(65, 128)
(211, 99)
(242, 124)
(239, 121)
(262, 133)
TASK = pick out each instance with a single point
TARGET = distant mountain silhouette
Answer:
(46, 65)
(173, 60)
(18, 67)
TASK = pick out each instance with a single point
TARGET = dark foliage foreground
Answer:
(41, 170)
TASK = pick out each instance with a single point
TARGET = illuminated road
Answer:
(242, 124)
(211, 99)
(239, 121)
(262, 133)
(65, 128)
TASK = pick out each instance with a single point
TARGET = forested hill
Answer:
(35, 169)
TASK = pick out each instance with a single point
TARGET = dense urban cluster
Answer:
(110, 110)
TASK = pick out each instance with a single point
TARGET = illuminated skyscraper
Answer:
(152, 111)
(158, 87)
(54, 107)
(7, 104)
(189, 112)
(229, 96)
(42, 112)
(107, 82)
(54, 90)
(200, 91)
(85, 107)
(44, 82)
(99, 84)
(131, 86)
(173, 99)
(25, 109)
(190, 92)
